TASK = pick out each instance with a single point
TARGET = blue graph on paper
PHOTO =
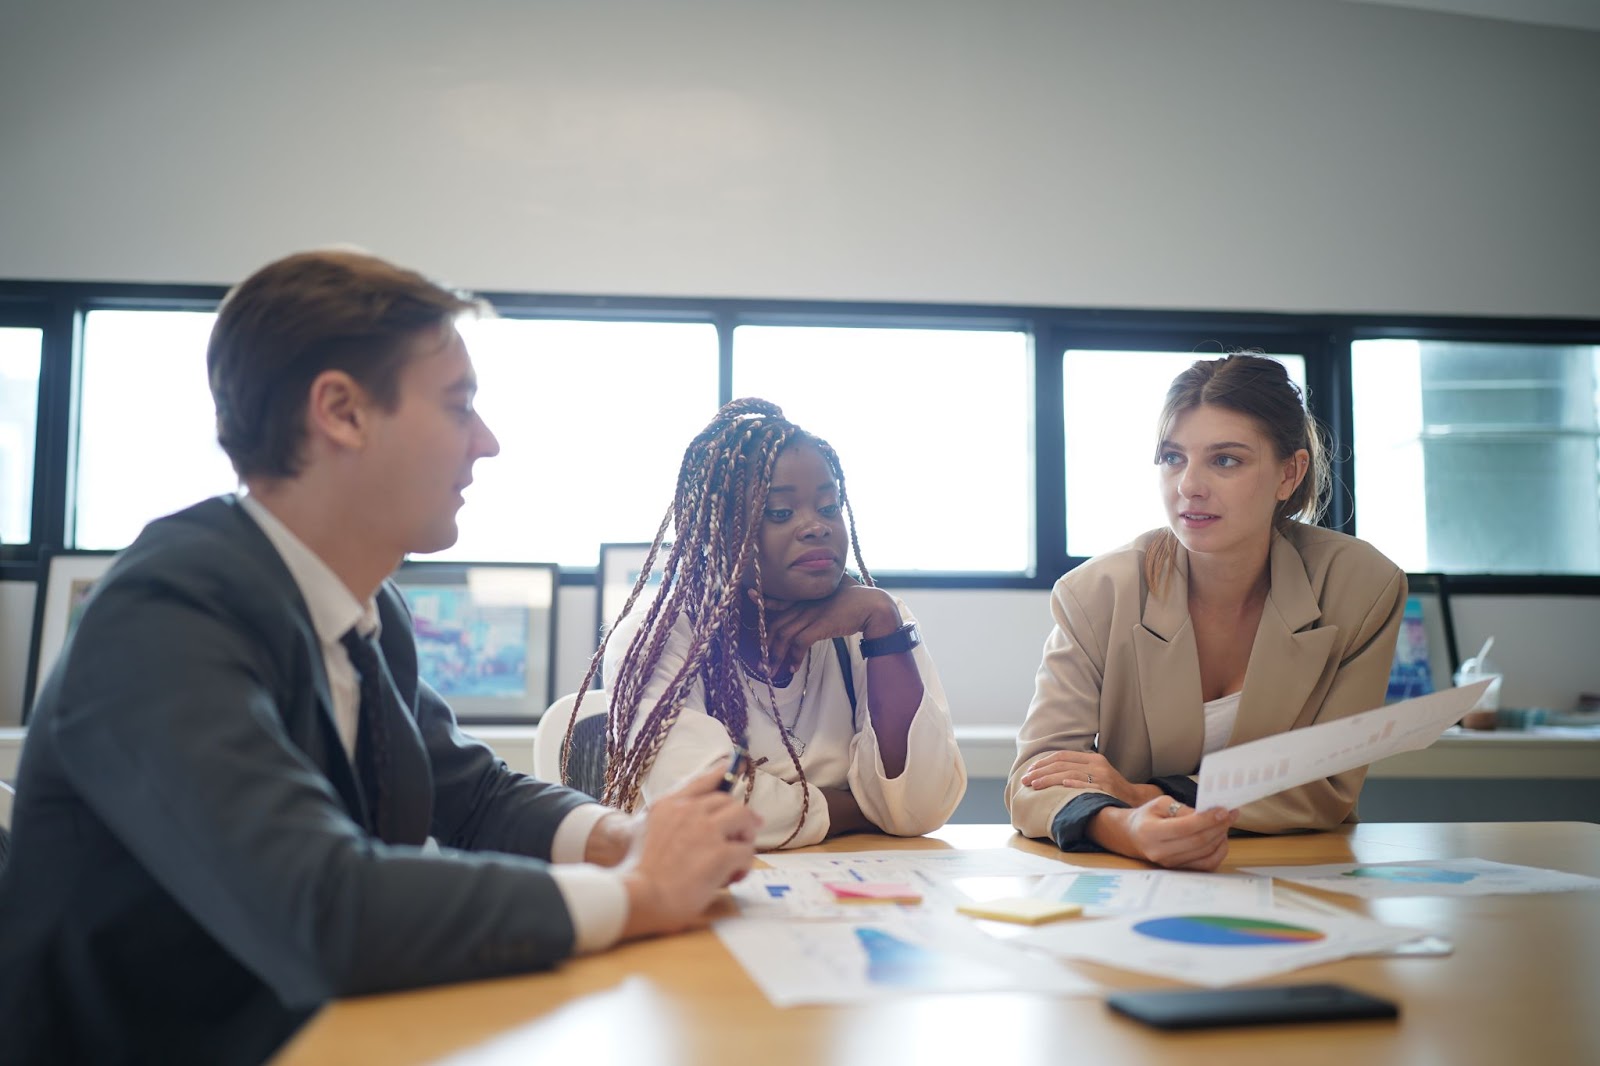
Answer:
(1092, 890)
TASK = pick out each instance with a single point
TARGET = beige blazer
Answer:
(1121, 675)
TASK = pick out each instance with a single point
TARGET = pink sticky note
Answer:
(873, 892)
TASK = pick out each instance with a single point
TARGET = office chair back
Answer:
(586, 766)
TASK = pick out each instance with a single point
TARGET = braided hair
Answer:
(715, 517)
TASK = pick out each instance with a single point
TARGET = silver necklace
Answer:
(787, 728)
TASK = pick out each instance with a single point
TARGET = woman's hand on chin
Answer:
(794, 625)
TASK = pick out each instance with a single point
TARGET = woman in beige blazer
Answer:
(1236, 622)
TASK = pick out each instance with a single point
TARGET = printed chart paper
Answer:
(876, 865)
(1430, 877)
(802, 963)
(1104, 892)
(803, 893)
(1217, 948)
(1233, 777)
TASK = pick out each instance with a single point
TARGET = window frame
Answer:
(1324, 340)
(25, 313)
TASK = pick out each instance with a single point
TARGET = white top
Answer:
(837, 753)
(597, 901)
(1220, 715)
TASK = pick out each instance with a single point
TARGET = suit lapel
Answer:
(408, 785)
(407, 777)
(1288, 661)
(1169, 677)
(333, 760)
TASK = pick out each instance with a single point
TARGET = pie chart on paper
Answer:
(1215, 930)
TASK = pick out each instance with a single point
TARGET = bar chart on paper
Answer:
(1232, 777)
(1092, 890)
(1120, 891)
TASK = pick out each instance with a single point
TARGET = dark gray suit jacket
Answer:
(193, 872)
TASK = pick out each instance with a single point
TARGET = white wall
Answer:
(16, 636)
(1255, 154)
(1548, 647)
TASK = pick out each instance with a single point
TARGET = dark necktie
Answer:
(372, 748)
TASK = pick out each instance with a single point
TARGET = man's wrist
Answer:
(611, 839)
(643, 918)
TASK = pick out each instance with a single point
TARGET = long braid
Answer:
(594, 663)
(716, 518)
(697, 542)
(832, 458)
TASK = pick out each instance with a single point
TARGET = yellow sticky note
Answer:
(1025, 910)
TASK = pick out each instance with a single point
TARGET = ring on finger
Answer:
(1173, 809)
(1091, 778)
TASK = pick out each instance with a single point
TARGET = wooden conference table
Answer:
(1522, 986)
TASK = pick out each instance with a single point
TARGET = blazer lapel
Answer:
(1169, 678)
(408, 785)
(332, 759)
(1288, 661)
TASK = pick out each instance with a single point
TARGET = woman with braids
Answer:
(1237, 621)
(758, 638)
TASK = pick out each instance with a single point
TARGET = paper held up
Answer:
(1233, 777)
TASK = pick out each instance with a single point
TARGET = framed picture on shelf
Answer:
(69, 579)
(1425, 654)
(485, 635)
(620, 565)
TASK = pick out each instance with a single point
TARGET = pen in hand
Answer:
(736, 766)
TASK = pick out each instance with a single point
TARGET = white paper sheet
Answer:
(1119, 891)
(800, 963)
(1430, 877)
(1217, 948)
(799, 893)
(1233, 777)
(977, 862)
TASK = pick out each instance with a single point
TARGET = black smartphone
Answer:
(735, 770)
(1199, 1008)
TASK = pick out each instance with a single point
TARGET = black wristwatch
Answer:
(901, 640)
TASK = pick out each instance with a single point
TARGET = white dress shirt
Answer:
(596, 898)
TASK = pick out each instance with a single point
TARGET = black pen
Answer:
(735, 770)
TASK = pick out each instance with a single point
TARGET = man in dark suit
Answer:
(232, 774)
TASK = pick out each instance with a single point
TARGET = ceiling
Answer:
(1572, 14)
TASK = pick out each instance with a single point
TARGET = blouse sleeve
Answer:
(926, 792)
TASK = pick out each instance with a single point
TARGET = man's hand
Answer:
(695, 842)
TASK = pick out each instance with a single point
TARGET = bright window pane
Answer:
(1478, 457)
(934, 429)
(19, 420)
(147, 435)
(592, 419)
(1111, 401)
